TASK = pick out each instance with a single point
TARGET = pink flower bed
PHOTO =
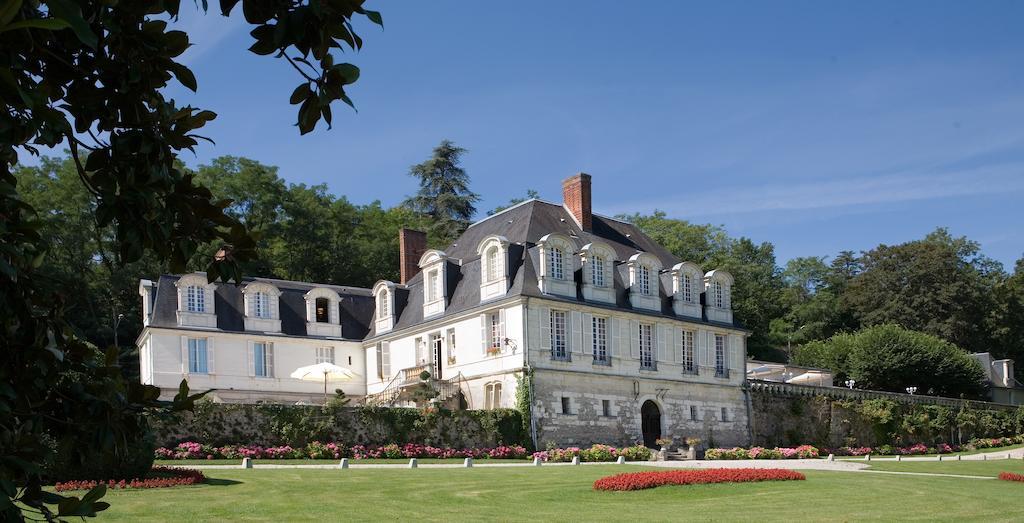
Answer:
(646, 480)
(331, 450)
(801, 452)
(596, 453)
(169, 477)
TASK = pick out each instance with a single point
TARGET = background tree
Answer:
(444, 196)
(940, 285)
(1006, 319)
(530, 195)
(89, 74)
(891, 358)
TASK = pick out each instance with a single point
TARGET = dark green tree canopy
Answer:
(891, 358)
(444, 196)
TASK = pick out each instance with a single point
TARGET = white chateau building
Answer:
(623, 342)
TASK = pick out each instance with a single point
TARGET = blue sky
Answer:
(818, 126)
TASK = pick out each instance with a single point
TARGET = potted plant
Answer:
(493, 351)
(691, 447)
(663, 447)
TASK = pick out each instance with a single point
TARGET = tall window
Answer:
(197, 356)
(196, 299)
(688, 365)
(687, 282)
(261, 305)
(600, 333)
(555, 264)
(492, 264)
(644, 279)
(323, 310)
(262, 359)
(559, 349)
(325, 355)
(719, 294)
(494, 331)
(720, 364)
(382, 305)
(433, 285)
(646, 346)
(597, 271)
(492, 396)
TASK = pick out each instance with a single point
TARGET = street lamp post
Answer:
(116, 323)
(911, 390)
(850, 383)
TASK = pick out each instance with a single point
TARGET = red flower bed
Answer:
(645, 480)
(1010, 476)
(169, 477)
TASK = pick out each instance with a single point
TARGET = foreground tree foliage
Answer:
(891, 358)
(88, 74)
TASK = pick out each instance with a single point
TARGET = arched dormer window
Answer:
(644, 281)
(195, 301)
(598, 279)
(262, 310)
(718, 295)
(323, 312)
(557, 266)
(493, 251)
(384, 296)
(687, 278)
(434, 267)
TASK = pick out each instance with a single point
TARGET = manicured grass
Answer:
(970, 468)
(560, 494)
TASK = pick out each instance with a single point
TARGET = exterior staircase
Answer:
(408, 389)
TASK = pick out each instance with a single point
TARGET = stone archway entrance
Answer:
(650, 423)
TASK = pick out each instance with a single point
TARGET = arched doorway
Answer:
(650, 423)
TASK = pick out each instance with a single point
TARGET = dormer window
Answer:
(557, 265)
(686, 288)
(493, 251)
(383, 293)
(323, 313)
(718, 299)
(261, 307)
(644, 282)
(195, 301)
(434, 265)
(598, 261)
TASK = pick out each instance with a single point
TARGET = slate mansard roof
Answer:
(355, 307)
(524, 225)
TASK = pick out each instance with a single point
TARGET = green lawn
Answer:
(971, 468)
(564, 494)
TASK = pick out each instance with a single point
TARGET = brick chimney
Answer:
(411, 246)
(576, 194)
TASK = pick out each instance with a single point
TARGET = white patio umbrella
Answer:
(323, 371)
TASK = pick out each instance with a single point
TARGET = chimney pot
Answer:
(576, 195)
(411, 246)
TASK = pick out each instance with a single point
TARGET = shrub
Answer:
(166, 477)
(646, 480)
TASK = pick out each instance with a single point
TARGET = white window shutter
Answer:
(184, 355)
(613, 336)
(209, 356)
(677, 344)
(484, 338)
(588, 333)
(545, 328)
(251, 363)
(662, 343)
(634, 339)
(270, 360)
(385, 349)
(501, 324)
(417, 349)
(577, 334)
(710, 349)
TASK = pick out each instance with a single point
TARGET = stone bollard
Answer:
(413, 463)
(958, 457)
(831, 457)
(1007, 455)
(246, 463)
(867, 457)
(468, 463)
(621, 460)
(343, 464)
(575, 460)
(899, 457)
(984, 457)
(537, 462)
(940, 457)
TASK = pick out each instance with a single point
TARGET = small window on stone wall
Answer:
(693, 413)
(725, 414)
(606, 408)
(566, 406)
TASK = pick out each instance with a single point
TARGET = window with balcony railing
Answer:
(559, 339)
(647, 361)
(721, 368)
